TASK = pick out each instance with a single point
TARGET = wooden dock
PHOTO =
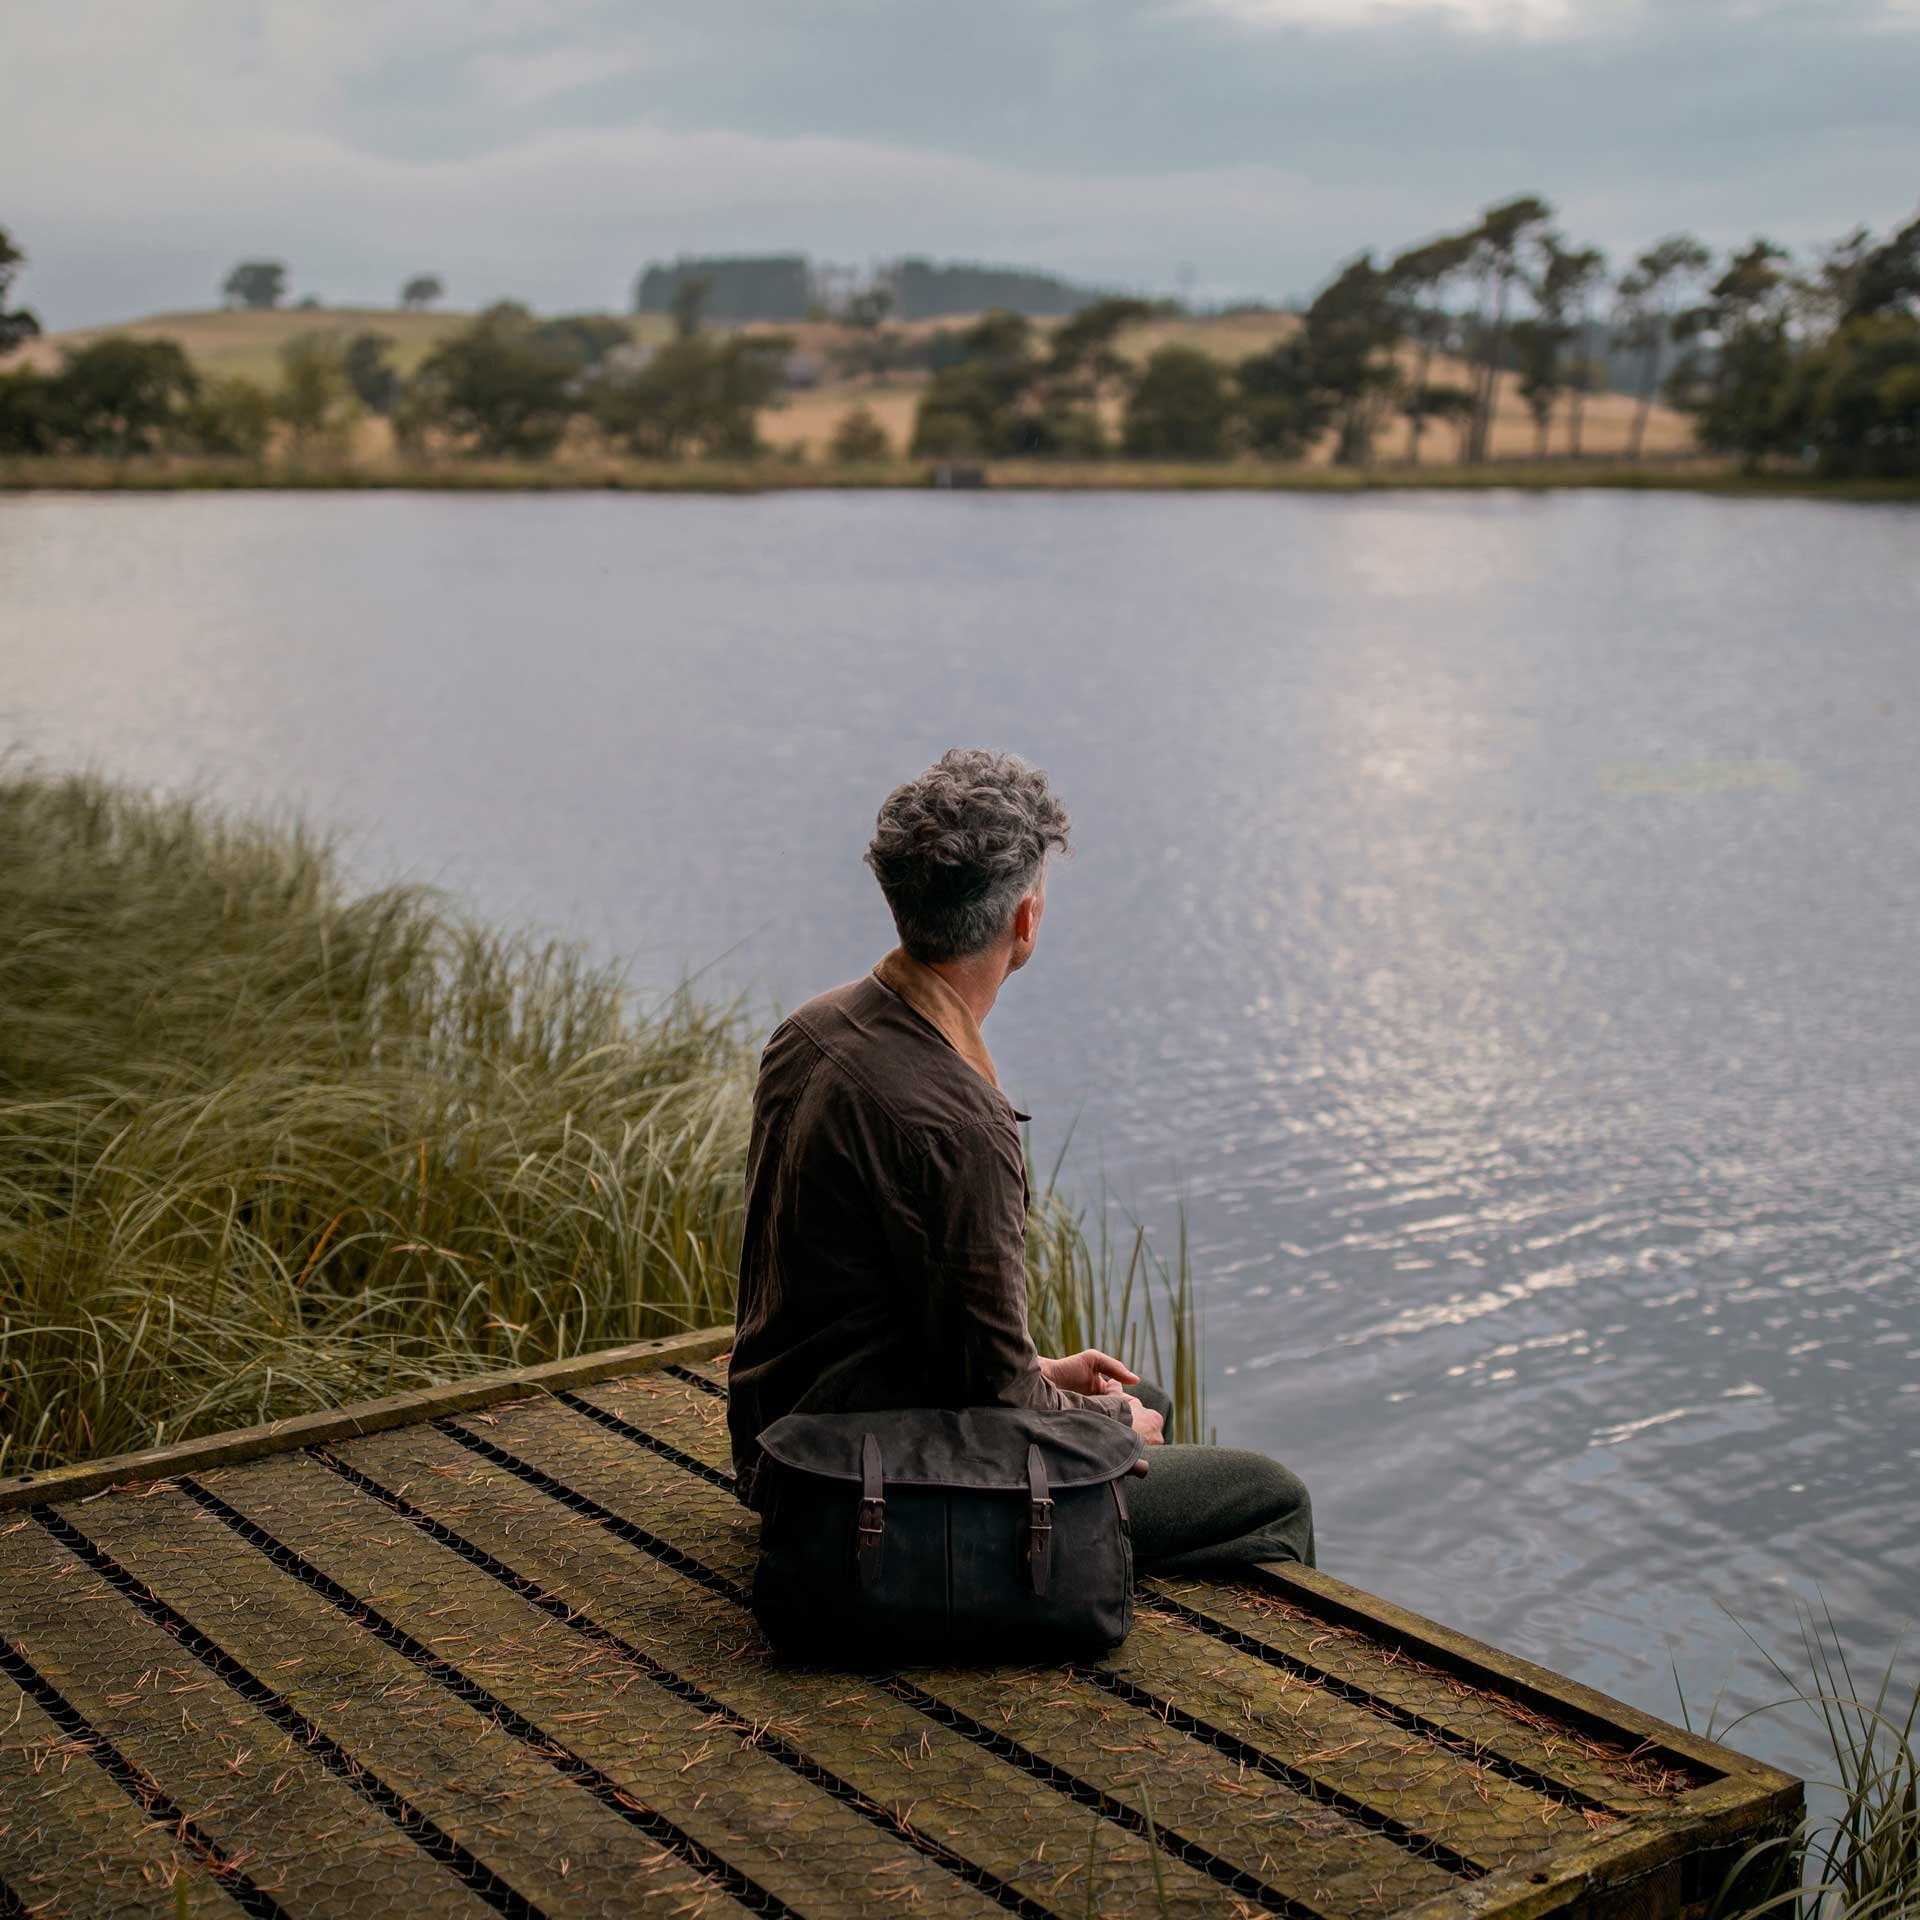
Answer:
(486, 1650)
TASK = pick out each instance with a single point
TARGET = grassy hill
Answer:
(225, 341)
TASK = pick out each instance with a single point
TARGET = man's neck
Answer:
(976, 979)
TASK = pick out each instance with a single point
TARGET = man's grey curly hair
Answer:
(956, 847)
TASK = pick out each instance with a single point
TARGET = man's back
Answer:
(886, 1204)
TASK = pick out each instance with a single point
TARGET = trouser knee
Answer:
(1282, 1492)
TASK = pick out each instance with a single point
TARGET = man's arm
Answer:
(974, 1215)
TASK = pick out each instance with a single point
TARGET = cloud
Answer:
(546, 148)
(1521, 19)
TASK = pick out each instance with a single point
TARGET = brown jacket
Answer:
(884, 1262)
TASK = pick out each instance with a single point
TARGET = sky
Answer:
(545, 150)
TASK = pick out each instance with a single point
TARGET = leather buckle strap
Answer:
(870, 1530)
(1039, 1522)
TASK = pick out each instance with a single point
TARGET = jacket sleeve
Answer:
(973, 1204)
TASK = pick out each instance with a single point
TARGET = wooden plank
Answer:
(545, 1836)
(296, 1830)
(73, 1844)
(711, 1779)
(1532, 1686)
(87, 1477)
(1609, 1774)
(683, 1416)
(1035, 1840)
(713, 1370)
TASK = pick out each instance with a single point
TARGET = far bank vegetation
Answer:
(1505, 341)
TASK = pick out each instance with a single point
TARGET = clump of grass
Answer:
(1856, 1856)
(1087, 1289)
(268, 1146)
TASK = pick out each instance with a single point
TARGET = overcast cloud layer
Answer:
(545, 149)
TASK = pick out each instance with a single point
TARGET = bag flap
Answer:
(980, 1447)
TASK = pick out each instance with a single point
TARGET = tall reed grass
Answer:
(267, 1145)
(1856, 1856)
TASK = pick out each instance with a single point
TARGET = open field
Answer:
(248, 344)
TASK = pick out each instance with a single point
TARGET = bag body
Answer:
(935, 1535)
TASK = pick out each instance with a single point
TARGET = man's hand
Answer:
(1090, 1371)
(1146, 1423)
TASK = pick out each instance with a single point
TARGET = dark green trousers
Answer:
(1214, 1509)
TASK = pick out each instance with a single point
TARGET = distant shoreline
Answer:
(62, 474)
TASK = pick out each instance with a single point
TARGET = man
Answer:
(884, 1262)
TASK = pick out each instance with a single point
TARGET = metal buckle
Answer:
(1039, 1518)
(873, 1517)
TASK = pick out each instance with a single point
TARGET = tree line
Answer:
(506, 384)
(791, 287)
(1815, 360)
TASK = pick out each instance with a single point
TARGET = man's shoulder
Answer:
(879, 1051)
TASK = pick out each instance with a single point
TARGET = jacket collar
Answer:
(936, 1003)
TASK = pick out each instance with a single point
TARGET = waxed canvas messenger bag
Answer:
(979, 1533)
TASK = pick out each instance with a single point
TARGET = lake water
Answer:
(1496, 919)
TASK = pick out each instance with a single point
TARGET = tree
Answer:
(1738, 391)
(1500, 242)
(1888, 281)
(1083, 347)
(1084, 369)
(1855, 399)
(1824, 297)
(122, 396)
(1339, 371)
(1349, 334)
(695, 394)
(1418, 280)
(1284, 408)
(868, 309)
(26, 412)
(256, 283)
(497, 386)
(984, 401)
(583, 339)
(229, 416)
(1179, 407)
(422, 291)
(1573, 277)
(860, 439)
(18, 324)
(689, 304)
(315, 397)
(1444, 401)
(372, 376)
(1650, 294)
(1537, 342)
(1555, 280)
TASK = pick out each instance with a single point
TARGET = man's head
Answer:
(961, 850)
